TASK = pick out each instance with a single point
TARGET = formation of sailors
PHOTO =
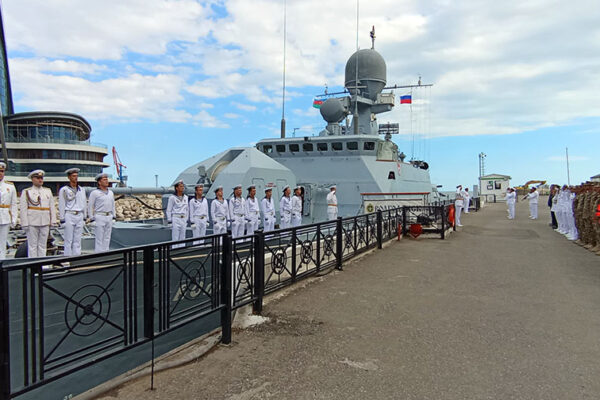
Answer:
(462, 201)
(576, 213)
(38, 213)
(241, 214)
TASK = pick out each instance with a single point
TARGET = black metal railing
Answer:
(61, 315)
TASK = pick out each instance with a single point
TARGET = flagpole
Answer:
(568, 172)
(284, 49)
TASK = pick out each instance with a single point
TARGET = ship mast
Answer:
(284, 49)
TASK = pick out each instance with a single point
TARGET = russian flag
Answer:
(317, 103)
(406, 99)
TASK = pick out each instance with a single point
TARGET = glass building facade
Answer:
(5, 91)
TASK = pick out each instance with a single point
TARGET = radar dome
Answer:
(371, 73)
(332, 110)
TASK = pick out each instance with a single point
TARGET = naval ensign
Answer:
(37, 214)
(72, 212)
(8, 209)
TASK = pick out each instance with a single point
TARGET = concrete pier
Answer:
(501, 309)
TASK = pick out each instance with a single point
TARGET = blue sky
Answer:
(172, 82)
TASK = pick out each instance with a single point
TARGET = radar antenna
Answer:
(373, 38)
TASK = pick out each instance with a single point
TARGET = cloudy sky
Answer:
(172, 82)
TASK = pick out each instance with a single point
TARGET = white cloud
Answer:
(204, 119)
(497, 68)
(231, 115)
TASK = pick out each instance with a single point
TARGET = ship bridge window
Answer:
(307, 147)
(280, 148)
(369, 146)
(352, 145)
(336, 146)
(294, 148)
(267, 149)
(322, 146)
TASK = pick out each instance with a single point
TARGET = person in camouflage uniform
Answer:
(587, 221)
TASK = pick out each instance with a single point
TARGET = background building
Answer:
(494, 184)
(50, 140)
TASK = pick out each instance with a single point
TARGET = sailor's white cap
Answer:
(178, 182)
(2, 165)
(268, 189)
(298, 188)
(249, 188)
(286, 187)
(239, 185)
(199, 185)
(100, 176)
(218, 188)
(332, 187)
(36, 172)
(72, 171)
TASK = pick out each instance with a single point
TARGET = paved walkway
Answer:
(500, 310)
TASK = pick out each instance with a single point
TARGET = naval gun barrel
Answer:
(137, 190)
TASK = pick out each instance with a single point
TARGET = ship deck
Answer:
(501, 309)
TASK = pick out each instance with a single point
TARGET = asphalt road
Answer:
(499, 310)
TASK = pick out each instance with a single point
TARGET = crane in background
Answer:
(119, 167)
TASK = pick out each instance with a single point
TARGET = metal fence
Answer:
(56, 321)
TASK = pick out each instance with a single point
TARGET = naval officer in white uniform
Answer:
(533, 196)
(511, 199)
(199, 213)
(237, 212)
(252, 211)
(458, 204)
(297, 207)
(467, 200)
(101, 209)
(37, 214)
(332, 204)
(268, 209)
(219, 212)
(8, 209)
(72, 212)
(285, 209)
(178, 213)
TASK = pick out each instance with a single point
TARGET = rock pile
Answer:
(128, 208)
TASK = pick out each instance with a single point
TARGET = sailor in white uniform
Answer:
(37, 214)
(237, 212)
(285, 209)
(178, 213)
(511, 199)
(332, 204)
(219, 212)
(297, 207)
(252, 211)
(458, 204)
(467, 200)
(268, 209)
(8, 209)
(101, 209)
(533, 196)
(72, 212)
(199, 213)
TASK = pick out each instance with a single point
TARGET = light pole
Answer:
(482, 156)
(156, 180)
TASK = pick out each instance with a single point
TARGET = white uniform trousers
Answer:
(37, 238)
(457, 210)
(533, 210)
(219, 225)
(511, 210)
(237, 226)
(286, 220)
(178, 229)
(103, 232)
(466, 206)
(72, 233)
(252, 224)
(200, 228)
(296, 220)
(332, 212)
(3, 239)
(269, 223)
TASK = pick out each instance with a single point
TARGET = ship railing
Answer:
(63, 318)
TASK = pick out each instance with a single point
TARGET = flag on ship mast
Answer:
(317, 103)
(406, 99)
